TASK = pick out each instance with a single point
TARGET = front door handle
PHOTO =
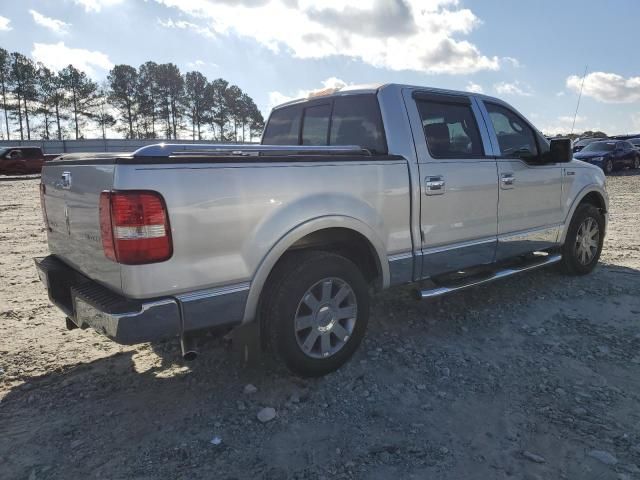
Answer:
(434, 185)
(507, 180)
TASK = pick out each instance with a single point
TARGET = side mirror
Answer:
(560, 150)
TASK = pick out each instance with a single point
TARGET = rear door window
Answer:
(315, 125)
(450, 128)
(356, 120)
(283, 127)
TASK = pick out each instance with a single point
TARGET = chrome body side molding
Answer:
(213, 307)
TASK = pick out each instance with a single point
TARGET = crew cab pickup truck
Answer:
(351, 192)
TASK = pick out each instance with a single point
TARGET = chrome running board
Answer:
(507, 272)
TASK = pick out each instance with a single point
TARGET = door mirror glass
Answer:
(560, 150)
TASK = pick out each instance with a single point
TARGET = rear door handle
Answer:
(434, 185)
(507, 180)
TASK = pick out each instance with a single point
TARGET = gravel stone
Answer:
(266, 414)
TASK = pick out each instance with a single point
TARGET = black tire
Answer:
(571, 262)
(608, 167)
(284, 296)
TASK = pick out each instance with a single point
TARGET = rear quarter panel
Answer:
(225, 218)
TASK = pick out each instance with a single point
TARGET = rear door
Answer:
(530, 206)
(459, 191)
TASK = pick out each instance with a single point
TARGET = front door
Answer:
(459, 191)
(530, 198)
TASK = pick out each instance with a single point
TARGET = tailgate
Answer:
(72, 198)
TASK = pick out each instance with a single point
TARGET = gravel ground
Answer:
(536, 377)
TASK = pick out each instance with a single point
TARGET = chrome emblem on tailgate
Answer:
(66, 180)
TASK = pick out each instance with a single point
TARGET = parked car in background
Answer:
(610, 155)
(21, 160)
(579, 144)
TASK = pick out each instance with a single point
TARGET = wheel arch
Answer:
(591, 194)
(307, 235)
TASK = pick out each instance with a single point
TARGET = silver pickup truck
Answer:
(351, 191)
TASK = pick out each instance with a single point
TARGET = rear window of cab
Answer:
(348, 120)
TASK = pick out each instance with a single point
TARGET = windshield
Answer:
(635, 141)
(583, 142)
(600, 147)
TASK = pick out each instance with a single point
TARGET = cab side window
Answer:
(515, 138)
(450, 129)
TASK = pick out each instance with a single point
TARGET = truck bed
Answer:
(226, 210)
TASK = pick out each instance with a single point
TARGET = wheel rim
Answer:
(609, 166)
(587, 241)
(325, 318)
(636, 163)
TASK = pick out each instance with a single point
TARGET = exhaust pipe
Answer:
(188, 346)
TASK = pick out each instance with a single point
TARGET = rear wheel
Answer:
(583, 245)
(636, 162)
(315, 311)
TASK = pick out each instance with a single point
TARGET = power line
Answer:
(579, 98)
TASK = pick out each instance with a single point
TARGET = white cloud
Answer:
(515, 88)
(200, 64)
(96, 5)
(514, 62)
(418, 35)
(569, 119)
(277, 98)
(184, 25)
(58, 56)
(56, 26)
(607, 87)
(560, 94)
(474, 87)
(5, 24)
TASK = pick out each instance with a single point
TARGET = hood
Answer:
(582, 155)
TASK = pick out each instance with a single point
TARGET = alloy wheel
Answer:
(325, 318)
(587, 241)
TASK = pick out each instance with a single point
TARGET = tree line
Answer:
(153, 101)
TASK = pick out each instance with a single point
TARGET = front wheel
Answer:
(608, 167)
(636, 162)
(315, 311)
(583, 245)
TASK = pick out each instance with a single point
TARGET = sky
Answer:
(531, 54)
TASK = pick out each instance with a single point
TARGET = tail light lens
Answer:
(43, 191)
(134, 226)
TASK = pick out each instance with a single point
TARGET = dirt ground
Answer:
(536, 377)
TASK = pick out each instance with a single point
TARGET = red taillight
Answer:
(135, 227)
(43, 191)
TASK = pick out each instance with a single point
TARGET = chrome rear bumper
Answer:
(89, 304)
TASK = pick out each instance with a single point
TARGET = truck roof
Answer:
(375, 88)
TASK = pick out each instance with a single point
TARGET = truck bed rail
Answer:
(176, 150)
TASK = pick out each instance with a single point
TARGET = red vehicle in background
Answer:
(22, 160)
